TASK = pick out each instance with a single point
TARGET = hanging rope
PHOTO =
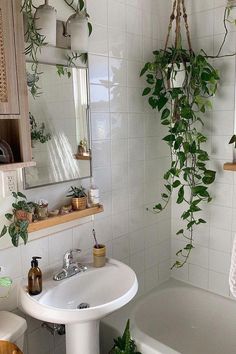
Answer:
(178, 9)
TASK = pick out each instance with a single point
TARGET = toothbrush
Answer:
(96, 242)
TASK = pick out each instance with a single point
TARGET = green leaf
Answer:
(165, 114)
(153, 102)
(146, 91)
(176, 184)
(180, 195)
(14, 194)
(162, 102)
(169, 138)
(189, 246)
(21, 195)
(90, 27)
(144, 69)
(180, 232)
(4, 231)
(8, 216)
(81, 4)
(185, 215)
(158, 207)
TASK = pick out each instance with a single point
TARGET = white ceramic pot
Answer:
(46, 22)
(79, 33)
(177, 76)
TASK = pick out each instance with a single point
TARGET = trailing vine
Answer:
(35, 41)
(182, 108)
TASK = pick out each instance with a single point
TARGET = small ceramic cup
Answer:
(99, 256)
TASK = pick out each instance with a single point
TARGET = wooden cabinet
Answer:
(14, 112)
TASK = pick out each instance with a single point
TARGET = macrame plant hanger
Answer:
(177, 11)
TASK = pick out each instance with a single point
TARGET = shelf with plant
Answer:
(180, 85)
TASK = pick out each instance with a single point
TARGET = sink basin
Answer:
(104, 290)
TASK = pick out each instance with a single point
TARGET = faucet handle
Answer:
(68, 256)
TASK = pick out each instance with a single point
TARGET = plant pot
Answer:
(42, 212)
(177, 76)
(79, 203)
(24, 215)
(99, 256)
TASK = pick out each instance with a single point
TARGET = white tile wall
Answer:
(209, 264)
(128, 160)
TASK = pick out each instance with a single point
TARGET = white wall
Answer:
(209, 263)
(128, 160)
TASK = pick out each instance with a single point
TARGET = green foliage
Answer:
(71, 63)
(77, 192)
(124, 344)
(181, 111)
(82, 8)
(38, 131)
(17, 228)
(35, 42)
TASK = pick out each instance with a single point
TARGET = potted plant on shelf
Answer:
(79, 198)
(21, 216)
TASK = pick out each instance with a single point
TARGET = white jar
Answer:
(46, 23)
(93, 195)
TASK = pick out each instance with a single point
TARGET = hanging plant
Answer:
(71, 63)
(82, 8)
(35, 42)
(182, 111)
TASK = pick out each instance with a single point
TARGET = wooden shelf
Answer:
(230, 166)
(82, 157)
(61, 219)
(15, 165)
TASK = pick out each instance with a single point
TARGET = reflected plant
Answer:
(38, 131)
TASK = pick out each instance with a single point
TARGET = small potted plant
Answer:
(79, 198)
(21, 216)
(42, 209)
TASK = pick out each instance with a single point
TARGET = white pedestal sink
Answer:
(103, 289)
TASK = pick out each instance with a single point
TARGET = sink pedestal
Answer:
(82, 338)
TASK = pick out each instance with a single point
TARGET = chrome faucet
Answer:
(70, 266)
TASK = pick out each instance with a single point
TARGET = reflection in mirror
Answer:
(59, 119)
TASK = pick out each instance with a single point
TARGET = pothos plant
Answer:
(182, 111)
(18, 228)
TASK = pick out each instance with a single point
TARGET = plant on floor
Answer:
(38, 131)
(125, 344)
(180, 85)
(19, 219)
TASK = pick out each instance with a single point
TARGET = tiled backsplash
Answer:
(209, 264)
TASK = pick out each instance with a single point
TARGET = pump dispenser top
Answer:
(35, 277)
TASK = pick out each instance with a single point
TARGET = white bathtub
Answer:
(178, 318)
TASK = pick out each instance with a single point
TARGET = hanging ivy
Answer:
(182, 108)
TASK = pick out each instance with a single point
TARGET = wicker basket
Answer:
(79, 203)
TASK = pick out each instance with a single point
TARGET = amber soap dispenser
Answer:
(35, 277)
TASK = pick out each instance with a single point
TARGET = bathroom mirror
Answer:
(60, 134)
